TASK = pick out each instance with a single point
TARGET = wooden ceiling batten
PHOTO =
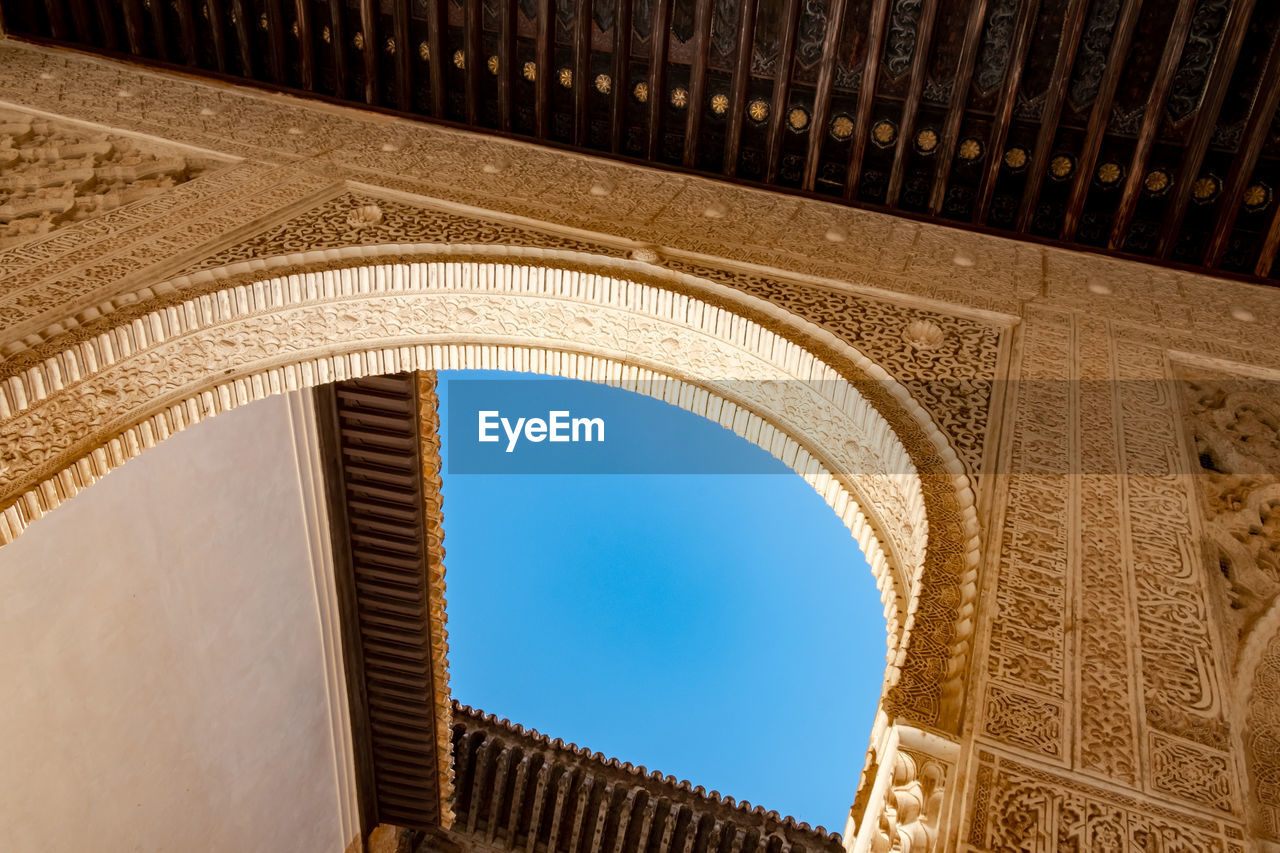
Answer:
(1121, 39)
(1206, 120)
(1151, 119)
(162, 43)
(660, 34)
(134, 32)
(956, 103)
(1055, 96)
(581, 71)
(542, 66)
(620, 89)
(473, 59)
(866, 95)
(369, 51)
(506, 61)
(186, 27)
(306, 45)
(1270, 245)
(275, 38)
(241, 22)
(910, 108)
(741, 82)
(437, 21)
(822, 93)
(781, 88)
(697, 81)
(403, 56)
(1004, 111)
(1261, 114)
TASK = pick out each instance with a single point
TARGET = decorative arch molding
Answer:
(226, 337)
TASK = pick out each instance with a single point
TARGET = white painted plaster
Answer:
(163, 672)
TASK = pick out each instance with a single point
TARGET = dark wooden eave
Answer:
(1147, 129)
(381, 448)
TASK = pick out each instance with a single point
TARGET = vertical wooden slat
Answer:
(82, 21)
(581, 69)
(1151, 122)
(157, 25)
(621, 73)
(1122, 36)
(134, 29)
(404, 54)
(306, 51)
(697, 81)
(1224, 66)
(542, 82)
(1270, 244)
(741, 81)
(1004, 110)
(187, 26)
(822, 94)
(781, 88)
(659, 35)
(1068, 44)
(475, 63)
(337, 41)
(239, 8)
(866, 95)
(216, 24)
(1254, 137)
(275, 37)
(919, 67)
(437, 21)
(57, 18)
(506, 61)
(955, 106)
(106, 19)
(369, 27)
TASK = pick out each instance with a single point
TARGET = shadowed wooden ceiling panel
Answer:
(1144, 128)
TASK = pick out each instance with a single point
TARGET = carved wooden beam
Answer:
(1068, 44)
(1224, 66)
(1004, 109)
(581, 70)
(781, 88)
(306, 48)
(337, 41)
(437, 22)
(403, 57)
(915, 86)
(542, 80)
(658, 38)
(134, 29)
(240, 11)
(275, 37)
(106, 18)
(57, 19)
(822, 93)
(956, 105)
(369, 26)
(473, 58)
(697, 80)
(1254, 137)
(866, 95)
(741, 80)
(161, 39)
(1121, 38)
(621, 74)
(1151, 122)
(506, 61)
(1270, 245)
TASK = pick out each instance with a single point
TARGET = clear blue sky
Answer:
(722, 628)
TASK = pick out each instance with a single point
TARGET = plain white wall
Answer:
(161, 657)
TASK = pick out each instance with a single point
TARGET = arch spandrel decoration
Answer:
(269, 326)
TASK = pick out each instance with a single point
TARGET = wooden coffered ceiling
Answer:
(1144, 128)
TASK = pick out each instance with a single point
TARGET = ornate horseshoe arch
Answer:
(229, 336)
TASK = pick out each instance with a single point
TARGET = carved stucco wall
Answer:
(1102, 706)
